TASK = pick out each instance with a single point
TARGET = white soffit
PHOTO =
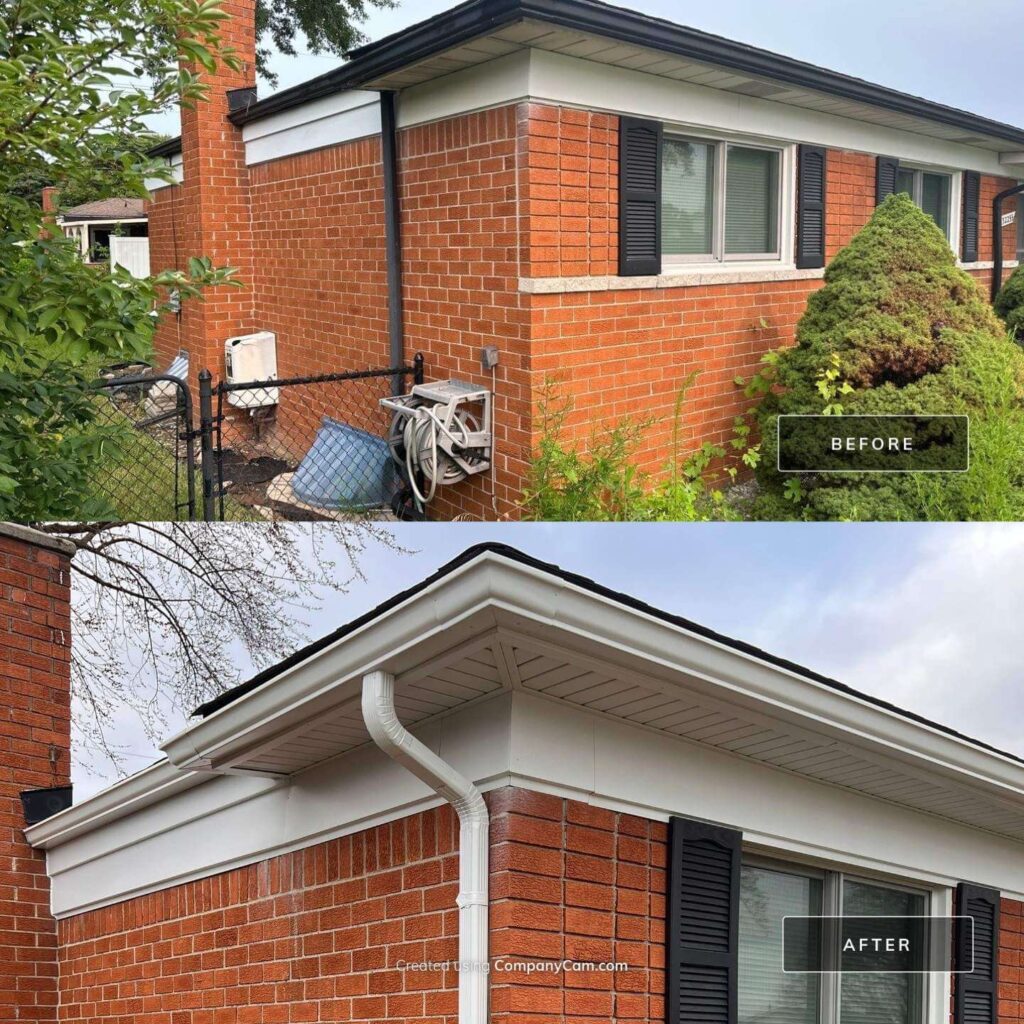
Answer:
(497, 624)
(537, 35)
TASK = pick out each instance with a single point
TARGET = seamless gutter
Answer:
(480, 17)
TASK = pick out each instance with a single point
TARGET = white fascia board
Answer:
(101, 223)
(151, 785)
(230, 820)
(582, 755)
(574, 81)
(494, 83)
(493, 589)
(665, 649)
(439, 614)
(328, 121)
(347, 116)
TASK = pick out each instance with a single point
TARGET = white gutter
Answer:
(400, 745)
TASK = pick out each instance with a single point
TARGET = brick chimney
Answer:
(50, 194)
(35, 743)
(213, 216)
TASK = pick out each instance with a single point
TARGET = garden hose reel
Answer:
(440, 435)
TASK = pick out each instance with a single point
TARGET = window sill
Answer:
(988, 265)
(672, 277)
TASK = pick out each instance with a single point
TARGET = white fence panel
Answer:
(130, 253)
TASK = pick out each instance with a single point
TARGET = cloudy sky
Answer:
(925, 616)
(963, 54)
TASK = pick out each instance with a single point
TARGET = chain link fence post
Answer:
(207, 458)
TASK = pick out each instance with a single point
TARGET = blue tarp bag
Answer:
(346, 469)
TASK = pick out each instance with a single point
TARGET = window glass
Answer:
(935, 198)
(905, 182)
(766, 994)
(687, 209)
(751, 201)
(881, 998)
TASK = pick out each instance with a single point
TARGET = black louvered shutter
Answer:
(703, 923)
(810, 218)
(972, 199)
(977, 993)
(639, 197)
(885, 177)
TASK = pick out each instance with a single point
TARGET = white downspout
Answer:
(392, 737)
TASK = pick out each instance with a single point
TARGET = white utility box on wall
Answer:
(252, 357)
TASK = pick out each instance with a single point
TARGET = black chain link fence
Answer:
(146, 468)
(305, 448)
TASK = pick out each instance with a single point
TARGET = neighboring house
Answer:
(590, 779)
(114, 231)
(608, 198)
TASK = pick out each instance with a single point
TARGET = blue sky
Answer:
(926, 616)
(963, 54)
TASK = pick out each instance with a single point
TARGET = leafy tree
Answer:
(77, 77)
(899, 329)
(105, 181)
(328, 25)
(163, 614)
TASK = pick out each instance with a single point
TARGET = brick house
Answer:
(460, 184)
(35, 728)
(612, 806)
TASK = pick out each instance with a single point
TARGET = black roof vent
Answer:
(241, 99)
(40, 804)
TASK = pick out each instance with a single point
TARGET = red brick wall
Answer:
(1011, 979)
(573, 882)
(35, 698)
(851, 189)
(308, 936)
(460, 245)
(570, 192)
(319, 935)
(210, 208)
(167, 252)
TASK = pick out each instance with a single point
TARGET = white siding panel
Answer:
(324, 122)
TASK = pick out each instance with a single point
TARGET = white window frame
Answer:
(785, 212)
(955, 196)
(938, 903)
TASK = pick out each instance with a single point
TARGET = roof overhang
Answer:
(496, 623)
(482, 30)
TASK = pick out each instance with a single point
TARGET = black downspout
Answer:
(997, 236)
(392, 232)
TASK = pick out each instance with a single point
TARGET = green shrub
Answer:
(1010, 304)
(899, 329)
(602, 482)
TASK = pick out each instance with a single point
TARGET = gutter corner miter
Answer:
(388, 733)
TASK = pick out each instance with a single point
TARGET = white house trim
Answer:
(206, 809)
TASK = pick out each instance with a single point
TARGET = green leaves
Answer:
(77, 80)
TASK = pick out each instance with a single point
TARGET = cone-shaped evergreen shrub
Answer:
(912, 334)
(1010, 304)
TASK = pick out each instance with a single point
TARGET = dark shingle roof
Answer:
(107, 209)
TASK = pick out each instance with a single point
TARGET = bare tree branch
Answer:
(164, 614)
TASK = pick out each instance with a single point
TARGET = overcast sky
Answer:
(964, 54)
(928, 617)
